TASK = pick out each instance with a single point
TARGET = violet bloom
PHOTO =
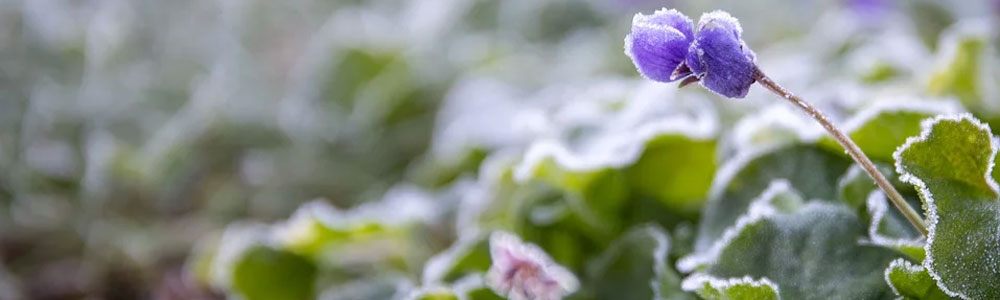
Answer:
(523, 271)
(658, 44)
(720, 58)
(664, 48)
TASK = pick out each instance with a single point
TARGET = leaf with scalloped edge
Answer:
(911, 282)
(811, 170)
(888, 228)
(636, 267)
(886, 225)
(744, 288)
(950, 164)
(811, 253)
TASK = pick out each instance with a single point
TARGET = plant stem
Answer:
(849, 145)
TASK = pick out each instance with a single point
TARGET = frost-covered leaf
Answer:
(379, 232)
(950, 164)
(674, 168)
(812, 253)
(744, 288)
(636, 267)
(882, 127)
(522, 271)
(469, 255)
(264, 273)
(911, 282)
(886, 225)
(888, 228)
(811, 170)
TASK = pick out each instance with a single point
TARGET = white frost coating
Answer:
(236, 239)
(747, 131)
(759, 208)
(403, 204)
(932, 213)
(905, 265)
(609, 123)
(478, 112)
(522, 271)
(616, 150)
(438, 266)
(697, 280)
(642, 21)
(719, 15)
(877, 207)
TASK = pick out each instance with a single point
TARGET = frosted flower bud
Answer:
(522, 271)
(719, 58)
(659, 43)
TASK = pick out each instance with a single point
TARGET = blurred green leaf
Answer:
(264, 273)
(636, 267)
(676, 170)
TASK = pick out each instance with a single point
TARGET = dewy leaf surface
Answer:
(911, 282)
(809, 169)
(812, 253)
(950, 164)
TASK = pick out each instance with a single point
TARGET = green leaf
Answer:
(888, 228)
(911, 282)
(342, 240)
(745, 288)
(886, 225)
(264, 273)
(881, 128)
(962, 75)
(635, 267)
(812, 253)
(950, 164)
(677, 170)
(807, 168)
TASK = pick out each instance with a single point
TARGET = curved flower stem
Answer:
(852, 149)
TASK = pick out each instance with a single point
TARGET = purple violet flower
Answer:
(663, 48)
(719, 57)
(658, 44)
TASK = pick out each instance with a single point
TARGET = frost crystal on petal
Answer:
(522, 271)
(719, 57)
(658, 44)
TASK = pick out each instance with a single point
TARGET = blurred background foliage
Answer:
(134, 132)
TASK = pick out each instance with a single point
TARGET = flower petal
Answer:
(719, 57)
(659, 43)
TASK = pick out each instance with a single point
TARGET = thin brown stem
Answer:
(849, 145)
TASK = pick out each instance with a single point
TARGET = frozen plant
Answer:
(522, 271)
(716, 55)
